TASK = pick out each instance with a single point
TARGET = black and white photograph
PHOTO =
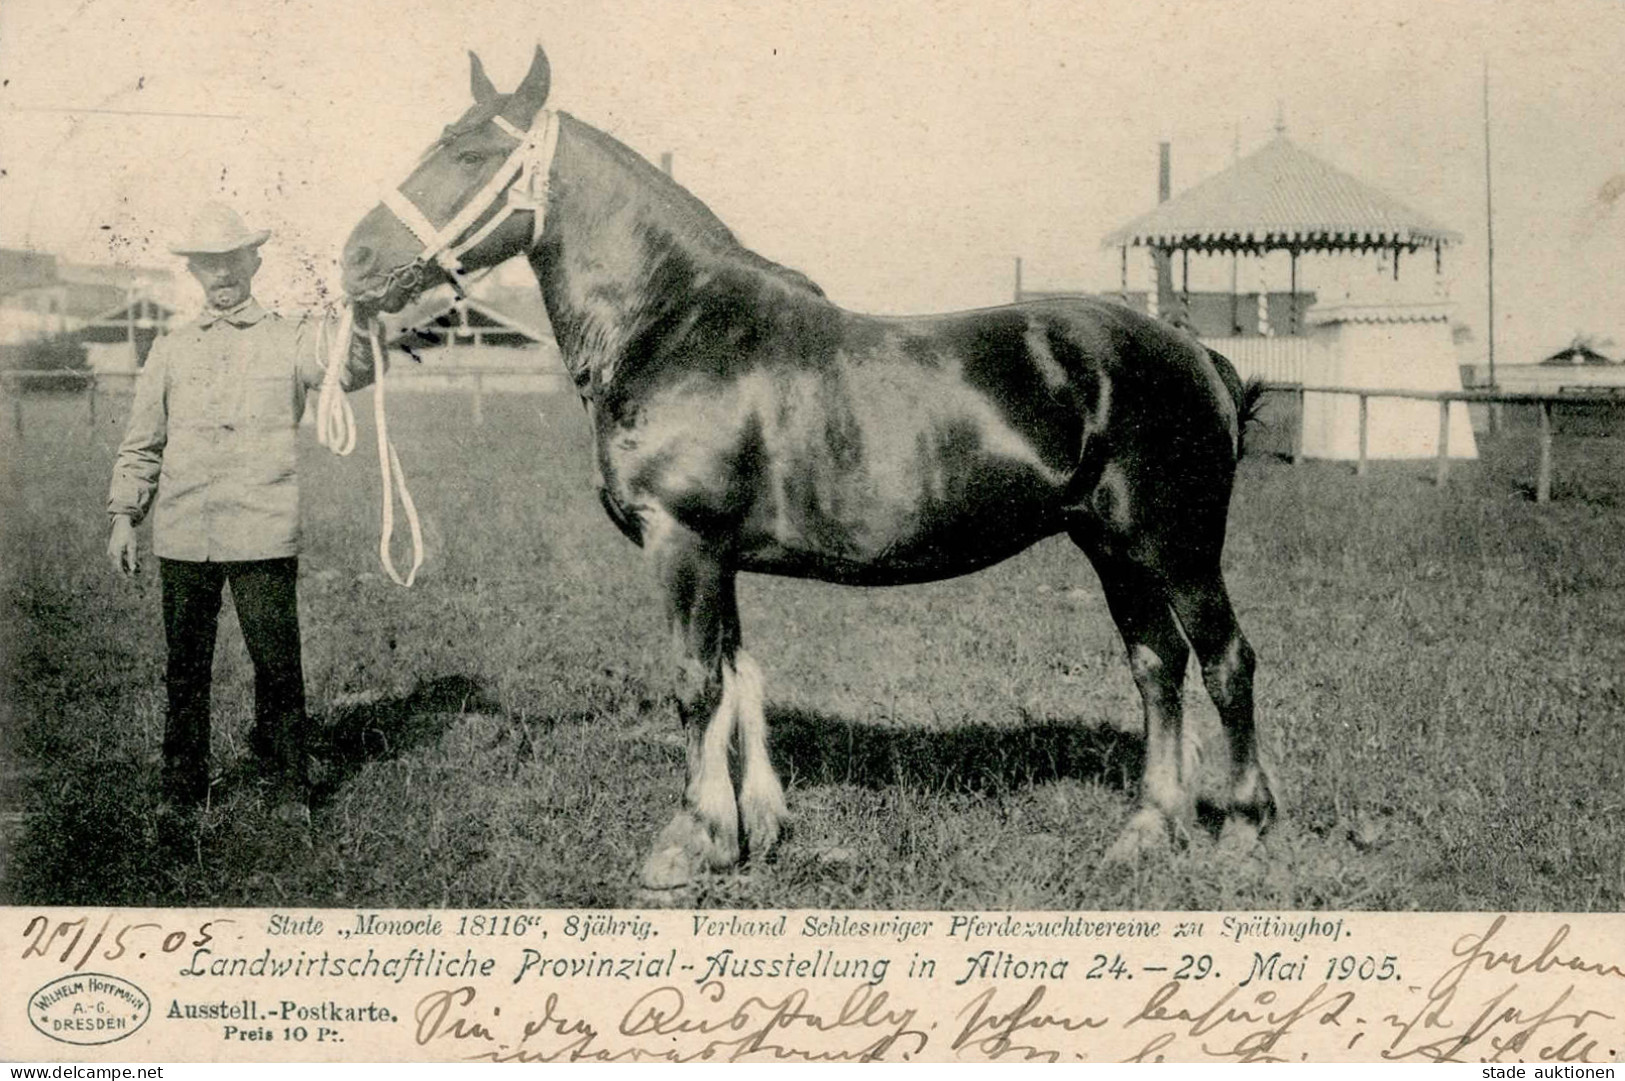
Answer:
(910, 457)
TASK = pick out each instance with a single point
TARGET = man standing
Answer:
(212, 442)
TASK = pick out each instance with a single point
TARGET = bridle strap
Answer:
(524, 175)
(524, 178)
(411, 217)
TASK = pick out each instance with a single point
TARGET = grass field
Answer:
(1441, 697)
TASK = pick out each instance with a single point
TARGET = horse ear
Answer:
(532, 90)
(478, 81)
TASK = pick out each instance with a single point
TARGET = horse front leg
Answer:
(703, 621)
(761, 796)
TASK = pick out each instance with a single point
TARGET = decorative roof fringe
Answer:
(1283, 189)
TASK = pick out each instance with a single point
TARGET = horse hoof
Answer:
(1239, 837)
(1145, 834)
(762, 817)
(663, 898)
(1255, 802)
(684, 849)
(668, 869)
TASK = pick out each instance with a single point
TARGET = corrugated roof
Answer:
(1281, 195)
(1424, 312)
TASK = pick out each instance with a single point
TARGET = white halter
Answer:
(524, 174)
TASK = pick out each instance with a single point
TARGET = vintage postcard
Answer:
(942, 532)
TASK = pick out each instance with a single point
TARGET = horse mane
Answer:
(693, 218)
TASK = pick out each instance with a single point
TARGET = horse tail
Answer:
(1248, 396)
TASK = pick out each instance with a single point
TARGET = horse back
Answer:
(873, 449)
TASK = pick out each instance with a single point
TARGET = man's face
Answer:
(226, 278)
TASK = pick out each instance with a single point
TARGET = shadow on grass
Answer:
(92, 833)
(359, 733)
(820, 748)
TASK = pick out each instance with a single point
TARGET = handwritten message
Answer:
(560, 986)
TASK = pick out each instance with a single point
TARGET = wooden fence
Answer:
(477, 382)
(1493, 398)
(14, 380)
(95, 383)
(1280, 359)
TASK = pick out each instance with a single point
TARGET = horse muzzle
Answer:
(392, 291)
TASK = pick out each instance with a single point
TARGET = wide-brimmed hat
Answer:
(216, 229)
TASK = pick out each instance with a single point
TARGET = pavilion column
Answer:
(1185, 285)
(1292, 294)
(1263, 293)
(1235, 308)
(1167, 299)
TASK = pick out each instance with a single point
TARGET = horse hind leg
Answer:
(1203, 607)
(703, 618)
(1157, 657)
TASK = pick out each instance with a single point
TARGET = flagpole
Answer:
(1489, 220)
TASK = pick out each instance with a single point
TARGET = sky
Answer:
(902, 154)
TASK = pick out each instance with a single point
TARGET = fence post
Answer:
(1359, 470)
(1444, 441)
(1297, 431)
(90, 399)
(1543, 479)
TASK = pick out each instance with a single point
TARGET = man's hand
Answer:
(121, 549)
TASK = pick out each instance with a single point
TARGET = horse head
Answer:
(472, 200)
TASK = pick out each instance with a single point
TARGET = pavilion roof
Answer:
(436, 320)
(141, 314)
(1282, 196)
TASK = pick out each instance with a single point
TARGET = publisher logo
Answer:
(88, 1008)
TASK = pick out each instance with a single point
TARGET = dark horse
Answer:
(743, 422)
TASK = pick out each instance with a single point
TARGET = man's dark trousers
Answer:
(265, 593)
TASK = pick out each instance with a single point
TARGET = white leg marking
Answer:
(1165, 762)
(761, 796)
(710, 790)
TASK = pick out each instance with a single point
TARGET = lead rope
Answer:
(335, 420)
(335, 430)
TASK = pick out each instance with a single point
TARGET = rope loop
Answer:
(336, 430)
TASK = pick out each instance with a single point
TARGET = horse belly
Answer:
(865, 491)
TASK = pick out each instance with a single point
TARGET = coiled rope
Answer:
(335, 430)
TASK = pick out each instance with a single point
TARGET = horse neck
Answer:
(622, 246)
(599, 250)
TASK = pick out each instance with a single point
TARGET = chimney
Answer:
(1165, 301)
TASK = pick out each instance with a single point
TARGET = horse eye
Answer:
(470, 157)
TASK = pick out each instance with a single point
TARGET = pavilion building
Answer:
(1346, 317)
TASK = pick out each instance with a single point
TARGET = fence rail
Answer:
(1492, 397)
(93, 384)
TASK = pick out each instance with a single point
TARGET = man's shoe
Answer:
(287, 796)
